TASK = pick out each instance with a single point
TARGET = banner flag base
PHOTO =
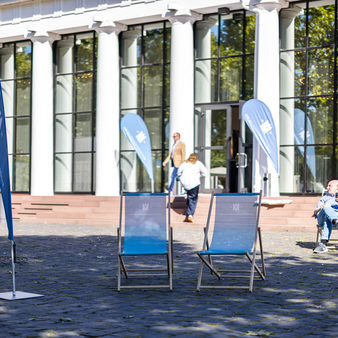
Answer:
(18, 295)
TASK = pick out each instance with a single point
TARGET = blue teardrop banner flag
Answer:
(259, 119)
(4, 170)
(299, 130)
(136, 132)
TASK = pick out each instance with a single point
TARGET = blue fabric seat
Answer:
(233, 228)
(144, 231)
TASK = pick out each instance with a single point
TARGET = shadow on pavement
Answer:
(77, 276)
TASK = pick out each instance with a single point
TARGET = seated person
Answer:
(326, 213)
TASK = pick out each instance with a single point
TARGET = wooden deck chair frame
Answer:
(220, 274)
(146, 272)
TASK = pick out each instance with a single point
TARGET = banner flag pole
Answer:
(13, 267)
(6, 203)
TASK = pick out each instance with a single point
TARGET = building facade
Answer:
(70, 69)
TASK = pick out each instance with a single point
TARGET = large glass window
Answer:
(224, 75)
(75, 57)
(15, 74)
(224, 57)
(145, 67)
(308, 91)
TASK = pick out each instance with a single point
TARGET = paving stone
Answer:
(75, 268)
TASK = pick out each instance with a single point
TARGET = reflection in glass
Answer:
(15, 73)
(84, 51)
(64, 94)
(250, 29)
(166, 84)
(130, 87)
(63, 133)
(292, 73)
(300, 28)
(84, 89)
(74, 113)
(249, 77)
(131, 47)
(231, 34)
(307, 73)
(153, 43)
(23, 97)
(291, 155)
(145, 84)
(167, 41)
(7, 62)
(63, 173)
(321, 25)
(320, 113)
(153, 121)
(218, 127)
(218, 165)
(166, 130)
(23, 59)
(205, 81)
(230, 79)
(83, 132)
(10, 132)
(321, 71)
(21, 173)
(22, 135)
(64, 55)
(82, 172)
(206, 38)
(128, 170)
(324, 166)
(152, 81)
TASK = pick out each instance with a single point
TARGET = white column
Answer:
(42, 114)
(267, 84)
(108, 110)
(182, 75)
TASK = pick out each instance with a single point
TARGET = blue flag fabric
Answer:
(259, 119)
(4, 170)
(136, 132)
(299, 131)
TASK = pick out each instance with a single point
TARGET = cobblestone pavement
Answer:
(75, 267)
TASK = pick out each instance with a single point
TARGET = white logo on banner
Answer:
(235, 207)
(141, 137)
(145, 206)
(266, 127)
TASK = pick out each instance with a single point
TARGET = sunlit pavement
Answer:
(75, 268)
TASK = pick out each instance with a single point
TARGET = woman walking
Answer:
(190, 173)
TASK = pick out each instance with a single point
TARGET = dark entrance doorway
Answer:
(223, 144)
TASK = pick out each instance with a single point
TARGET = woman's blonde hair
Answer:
(192, 158)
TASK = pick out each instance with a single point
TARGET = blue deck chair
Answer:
(234, 232)
(144, 231)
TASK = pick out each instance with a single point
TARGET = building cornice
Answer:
(13, 2)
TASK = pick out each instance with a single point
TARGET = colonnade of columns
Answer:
(108, 95)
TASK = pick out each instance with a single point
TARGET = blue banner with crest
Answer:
(4, 170)
(259, 119)
(136, 132)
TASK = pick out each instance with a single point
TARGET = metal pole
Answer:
(13, 266)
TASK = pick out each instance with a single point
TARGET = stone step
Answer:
(94, 210)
